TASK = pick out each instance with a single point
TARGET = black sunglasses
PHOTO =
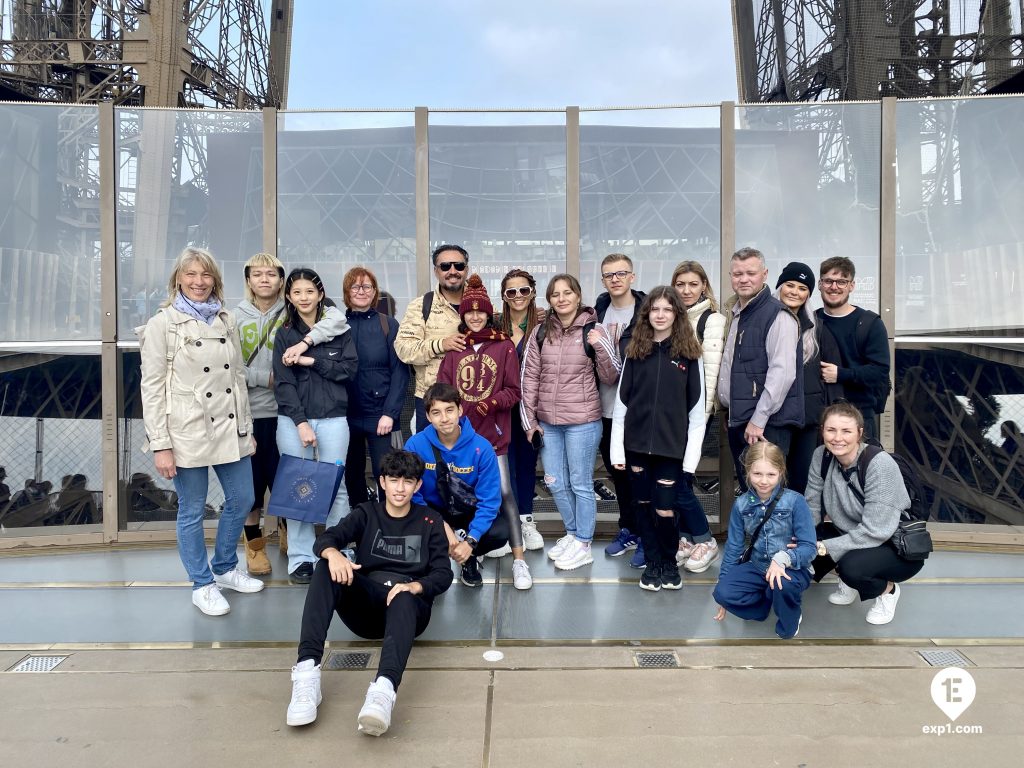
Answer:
(458, 266)
(511, 293)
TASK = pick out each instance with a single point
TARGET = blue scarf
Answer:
(203, 311)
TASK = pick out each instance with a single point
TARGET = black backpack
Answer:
(911, 479)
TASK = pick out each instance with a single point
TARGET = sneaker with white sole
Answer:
(844, 594)
(521, 578)
(798, 623)
(703, 555)
(685, 550)
(561, 545)
(305, 693)
(884, 609)
(238, 580)
(500, 551)
(375, 716)
(532, 539)
(575, 556)
(623, 543)
(210, 601)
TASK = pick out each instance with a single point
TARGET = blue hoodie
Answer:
(472, 459)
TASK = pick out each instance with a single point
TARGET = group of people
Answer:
(636, 377)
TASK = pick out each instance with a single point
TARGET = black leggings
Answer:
(265, 460)
(868, 571)
(509, 506)
(362, 606)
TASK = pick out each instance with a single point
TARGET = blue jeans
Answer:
(568, 456)
(693, 521)
(332, 446)
(191, 485)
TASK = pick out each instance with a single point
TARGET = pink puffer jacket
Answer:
(558, 382)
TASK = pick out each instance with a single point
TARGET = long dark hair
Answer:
(505, 325)
(684, 340)
(302, 273)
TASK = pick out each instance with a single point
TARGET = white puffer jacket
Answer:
(714, 344)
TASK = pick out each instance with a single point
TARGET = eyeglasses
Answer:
(622, 274)
(522, 291)
(458, 266)
(362, 288)
(840, 283)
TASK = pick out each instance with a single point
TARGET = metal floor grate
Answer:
(946, 658)
(37, 664)
(655, 660)
(347, 661)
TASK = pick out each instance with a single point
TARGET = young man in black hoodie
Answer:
(617, 309)
(402, 554)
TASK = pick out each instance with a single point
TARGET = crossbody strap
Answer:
(263, 340)
(441, 470)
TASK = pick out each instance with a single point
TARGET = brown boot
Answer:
(256, 559)
(282, 536)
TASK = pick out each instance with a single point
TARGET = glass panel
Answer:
(184, 178)
(499, 191)
(650, 187)
(50, 443)
(807, 187)
(959, 229)
(959, 414)
(50, 226)
(346, 197)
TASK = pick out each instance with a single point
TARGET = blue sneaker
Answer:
(624, 542)
(638, 560)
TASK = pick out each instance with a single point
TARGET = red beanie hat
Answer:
(475, 298)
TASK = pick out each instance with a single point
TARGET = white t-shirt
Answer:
(615, 322)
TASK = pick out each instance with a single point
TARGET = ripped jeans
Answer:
(568, 457)
(654, 480)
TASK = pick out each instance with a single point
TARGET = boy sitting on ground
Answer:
(402, 554)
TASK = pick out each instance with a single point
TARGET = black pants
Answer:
(659, 533)
(869, 571)
(362, 606)
(265, 460)
(781, 436)
(798, 459)
(620, 479)
(496, 537)
(355, 461)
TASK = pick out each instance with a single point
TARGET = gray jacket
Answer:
(252, 325)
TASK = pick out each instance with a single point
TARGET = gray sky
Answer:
(527, 53)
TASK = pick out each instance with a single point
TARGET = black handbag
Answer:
(911, 539)
(458, 496)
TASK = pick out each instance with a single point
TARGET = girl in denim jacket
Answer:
(776, 572)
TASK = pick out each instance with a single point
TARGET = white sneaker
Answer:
(575, 555)
(375, 716)
(210, 601)
(884, 609)
(500, 552)
(561, 545)
(521, 578)
(238, 580)
(684, 551)
(702, 556)
(531, 536)
(305, 693)
(844, 594)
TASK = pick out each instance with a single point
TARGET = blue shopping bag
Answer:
(304, 489)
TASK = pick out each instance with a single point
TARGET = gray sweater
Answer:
(251, 326)
(864, 526)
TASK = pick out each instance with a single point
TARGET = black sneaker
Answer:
(670, 578)
(604, 491)
(471, 573)
(650, 579)
(301, 575)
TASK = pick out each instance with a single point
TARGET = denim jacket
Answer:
(791, 518)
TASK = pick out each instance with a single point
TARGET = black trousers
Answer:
(660, 534)
(781, 436)
(869, 571)
(497, 535)
(798, 460)
(362, 606)
(265, 460)
(620, 479)
(359, 440)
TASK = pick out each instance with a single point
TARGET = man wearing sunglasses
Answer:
(430, 327)
(863, 343)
